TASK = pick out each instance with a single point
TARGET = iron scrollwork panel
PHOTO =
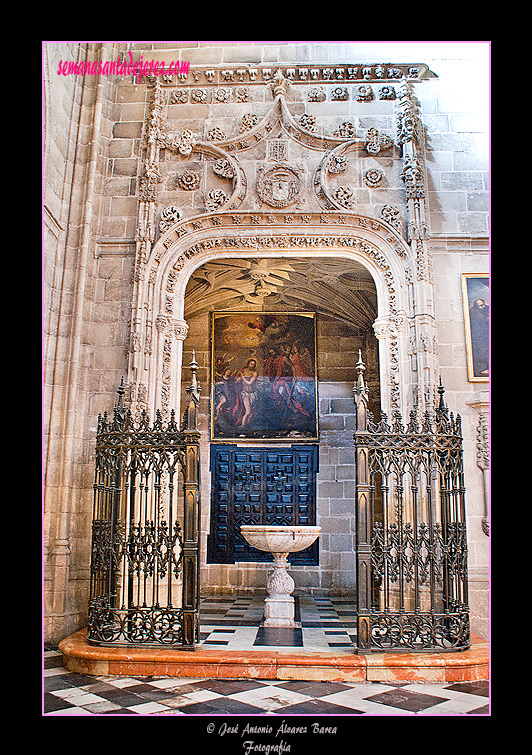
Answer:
(416, 598)
(138, 546)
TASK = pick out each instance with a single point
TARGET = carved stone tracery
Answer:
(280, 187)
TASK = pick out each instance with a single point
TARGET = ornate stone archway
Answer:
(273, 224)
(404, 325)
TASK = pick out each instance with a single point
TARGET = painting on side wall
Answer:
(264, 379)
(476, 300)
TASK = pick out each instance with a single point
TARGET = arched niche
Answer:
(404, 325)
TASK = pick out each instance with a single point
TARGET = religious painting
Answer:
(475, 293)
(264, 382)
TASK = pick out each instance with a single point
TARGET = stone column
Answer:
(168, 387)
(363, 513)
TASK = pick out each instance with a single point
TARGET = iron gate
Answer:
(411, 533)
(144, 557)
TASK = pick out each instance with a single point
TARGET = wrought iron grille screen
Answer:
(412, 548)
(144, 554)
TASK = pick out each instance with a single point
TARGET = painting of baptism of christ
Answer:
(264, 382)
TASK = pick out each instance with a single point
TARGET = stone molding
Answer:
(297, 73)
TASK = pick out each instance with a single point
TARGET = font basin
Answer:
(280, 538)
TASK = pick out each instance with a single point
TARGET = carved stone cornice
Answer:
(298, 73)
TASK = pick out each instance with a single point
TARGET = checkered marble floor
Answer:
(234, 623)
(326, 625)
(70, 694)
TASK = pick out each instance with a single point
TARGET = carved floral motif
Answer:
(376, 141)
(249, 120)
(308, 122)
(391, 215)
(364, 94)
(188, 181)
(169, 216)
(223, 168)
(316, 94)
(215, 200)
(373, 177)
(337, 163)
(346, 129)
(344, 196)
(216, 135)
(339, 93)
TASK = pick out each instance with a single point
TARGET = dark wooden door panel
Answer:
(260, 486)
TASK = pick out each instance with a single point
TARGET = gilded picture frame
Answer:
(476, 305)
(264, 376)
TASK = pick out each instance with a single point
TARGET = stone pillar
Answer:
(191, 517)
(363, 514)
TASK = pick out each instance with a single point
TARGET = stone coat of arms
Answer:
(278, 186)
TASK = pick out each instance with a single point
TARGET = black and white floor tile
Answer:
(327, 625)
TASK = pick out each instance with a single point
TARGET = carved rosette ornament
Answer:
(337, 163)
(215, 200)
(184, 143)
(189, 180)
(169, 216)
(373, 177)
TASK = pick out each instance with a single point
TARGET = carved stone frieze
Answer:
(331, 73)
